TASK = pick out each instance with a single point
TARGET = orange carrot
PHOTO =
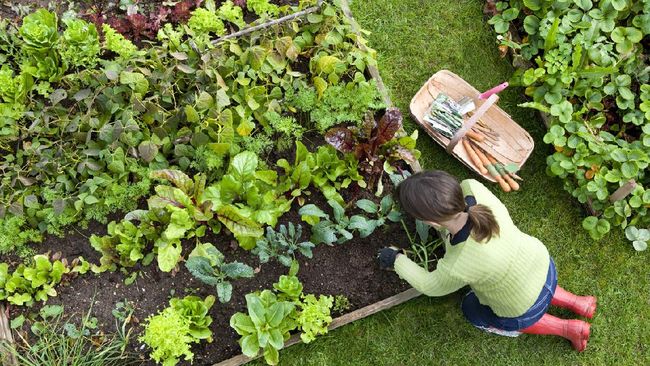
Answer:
(514, 185)
(475, 136)
(493, 171)
(475, 159)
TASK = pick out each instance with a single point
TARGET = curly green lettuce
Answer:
(205, 21)
(168, 334)
(80, 46)
(115, 42)
(14, 89)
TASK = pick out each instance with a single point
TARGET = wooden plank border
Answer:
(338, 322)
(7, 357)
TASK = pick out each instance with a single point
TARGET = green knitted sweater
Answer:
(507, 272)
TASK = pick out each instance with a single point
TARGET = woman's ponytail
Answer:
(484, 225)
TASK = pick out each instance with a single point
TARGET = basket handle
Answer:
(471, 122)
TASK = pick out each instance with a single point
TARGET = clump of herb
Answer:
(232, 13)
(206, 21)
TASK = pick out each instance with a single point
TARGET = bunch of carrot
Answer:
(487, 164)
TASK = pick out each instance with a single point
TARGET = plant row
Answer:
(585, 64)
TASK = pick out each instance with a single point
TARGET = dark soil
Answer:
(349, 269)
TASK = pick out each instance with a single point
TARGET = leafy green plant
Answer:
(80, 44)
(322, 169)
(232, 13)
(374, 145)
(171, 332)
(115, 42)
(207, 264)
(638, 237)
(289, 286)
(266, 326)
(326, 231)
(124, 244)
(423, 246)
(341, 304)
(263, 8)
(314, 316)
(588, 73)
(58, 338)
(206, 21)
(39, 31)
(386, 210)
(31, 283)
(283, 244)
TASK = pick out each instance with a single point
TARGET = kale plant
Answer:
(283, 244)
(207, 264)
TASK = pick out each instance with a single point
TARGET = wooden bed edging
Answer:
(7, 357)
(340, 321)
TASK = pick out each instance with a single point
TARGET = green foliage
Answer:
(289, 288)
(266, 326)
(323, 230)
(232, 13)
(638, 237)
(247, 198)
(588, 66)
(207, 264)
(347, 102)
(263, 8)
(59, 338)
(31, 283)
(386, 210)
(322, 169)
(39, 31)
(171, 332)
(115, 42)
(341, 304)
(206, 21)
(314, 316)
(13, 237)
(423, 244)
(80, 44)
(283, 244)
(124, 244)
(287, 127)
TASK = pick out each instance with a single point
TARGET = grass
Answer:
(414, 39)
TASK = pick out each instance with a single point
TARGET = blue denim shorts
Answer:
(482, 316)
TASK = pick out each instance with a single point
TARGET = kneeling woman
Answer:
(513, 279)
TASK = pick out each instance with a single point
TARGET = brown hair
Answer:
(436, 196)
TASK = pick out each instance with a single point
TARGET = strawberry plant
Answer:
(588, 71)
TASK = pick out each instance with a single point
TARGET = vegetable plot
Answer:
(179, 157)
(586, 66)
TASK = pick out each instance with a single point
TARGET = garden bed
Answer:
(348, 269)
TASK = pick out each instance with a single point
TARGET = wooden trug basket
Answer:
(514, 141)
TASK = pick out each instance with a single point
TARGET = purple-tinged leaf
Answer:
(341, 138)
(389, 124)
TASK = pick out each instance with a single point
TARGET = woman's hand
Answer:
(387, 257)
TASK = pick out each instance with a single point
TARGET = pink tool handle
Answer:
(496, 89)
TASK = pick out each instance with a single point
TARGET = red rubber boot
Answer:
(581, 305)
(576, 331)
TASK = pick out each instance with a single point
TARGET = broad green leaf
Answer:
(368, 206)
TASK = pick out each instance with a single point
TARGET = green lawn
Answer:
(414, 39)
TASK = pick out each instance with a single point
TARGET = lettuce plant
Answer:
(263, 8)
(124, 244)
(266, 326)
(39, 31)
(314, 316)
(171, 332)
(31, 283)
(207, 264)
(80, 44)
(206, 21)
(232, 13)
(115, 42)
(14, 89)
